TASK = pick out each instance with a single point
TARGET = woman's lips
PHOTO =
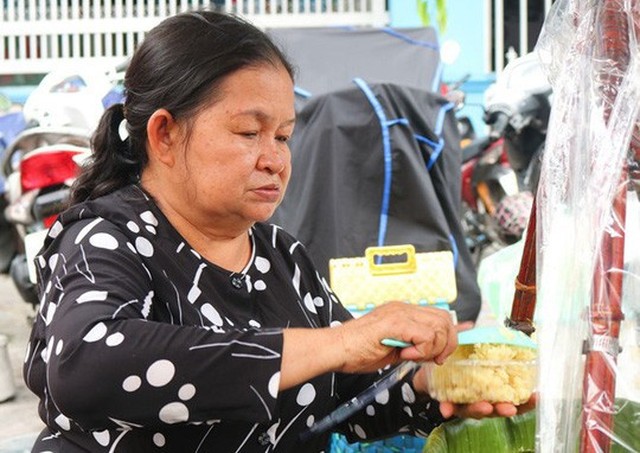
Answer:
(270, 193)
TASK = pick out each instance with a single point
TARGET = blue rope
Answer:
(439, 145)
(435, 85)
(403, 121)
(386, 147)
(410, 40)
(302, 92)
(437, 148)
(440, 119)
(454, 249)
(423, 139)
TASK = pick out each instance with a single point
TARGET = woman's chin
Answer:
(263, 215)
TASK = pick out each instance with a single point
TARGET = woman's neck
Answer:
(230, 253)
(229, 248)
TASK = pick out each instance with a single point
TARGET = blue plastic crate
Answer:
(403, 443)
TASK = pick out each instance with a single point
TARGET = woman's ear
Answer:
(163, 137)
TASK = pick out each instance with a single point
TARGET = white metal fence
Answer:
(39, 35)
(497, 48)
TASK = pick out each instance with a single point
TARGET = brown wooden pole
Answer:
(524, 299)
(599, 385)
(605, 316)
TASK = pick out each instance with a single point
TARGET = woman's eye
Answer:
(249, 134)
(283, 138)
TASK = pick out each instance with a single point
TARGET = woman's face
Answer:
(237, 164)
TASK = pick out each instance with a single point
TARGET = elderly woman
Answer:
(173, 318)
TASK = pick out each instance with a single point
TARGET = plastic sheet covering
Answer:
(588, 226)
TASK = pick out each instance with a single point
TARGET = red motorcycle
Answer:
(41, 163)
(494, 209)
(39, 167)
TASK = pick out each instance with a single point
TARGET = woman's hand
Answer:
(482, 409)
(430, 331)
(355, 346)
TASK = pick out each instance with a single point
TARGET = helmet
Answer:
(512, 216)
(71, 98)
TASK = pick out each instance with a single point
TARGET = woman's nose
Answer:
(273, 157)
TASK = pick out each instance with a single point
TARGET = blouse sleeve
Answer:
(99, 360)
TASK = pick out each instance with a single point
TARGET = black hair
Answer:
(179, 67)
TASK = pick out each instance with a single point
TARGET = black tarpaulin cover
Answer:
(378, 164)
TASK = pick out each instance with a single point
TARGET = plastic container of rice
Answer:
(484, 372)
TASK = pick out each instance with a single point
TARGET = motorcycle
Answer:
(40, 165)
(489, 188)
(500, 171)
(519, 105)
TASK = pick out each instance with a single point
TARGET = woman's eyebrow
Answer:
(262, 116)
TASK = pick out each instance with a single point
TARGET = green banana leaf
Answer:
(489, 435)
(517, 434)
(626, 427)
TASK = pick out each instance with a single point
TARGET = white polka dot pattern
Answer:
(160, 373)
(174, 413)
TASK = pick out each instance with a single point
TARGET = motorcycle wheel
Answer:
(20, 276)
(7, 240)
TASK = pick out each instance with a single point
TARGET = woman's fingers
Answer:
(434, 337)
(482, 409)
(447, 409)
(465, 325)
(437, 346)
(529, 405)
(429, 330)
(505, 409)
(478, 409)
(451, 345)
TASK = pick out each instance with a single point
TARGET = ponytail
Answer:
(114, 164)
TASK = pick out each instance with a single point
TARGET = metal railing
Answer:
(497, 49)
(39, 35)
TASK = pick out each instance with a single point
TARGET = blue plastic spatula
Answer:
(486, 335)
(496, 335)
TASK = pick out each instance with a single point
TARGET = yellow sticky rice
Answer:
(484, 372)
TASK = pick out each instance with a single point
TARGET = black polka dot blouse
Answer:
(142, 345)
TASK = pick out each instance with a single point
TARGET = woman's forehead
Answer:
(257, 92)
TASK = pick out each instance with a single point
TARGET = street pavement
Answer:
(19, 421)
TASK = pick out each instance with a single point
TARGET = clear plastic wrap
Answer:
(588, 227)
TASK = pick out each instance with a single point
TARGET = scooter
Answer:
(487, 181)
(40, 165)
(500, 171)
(520, 103)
